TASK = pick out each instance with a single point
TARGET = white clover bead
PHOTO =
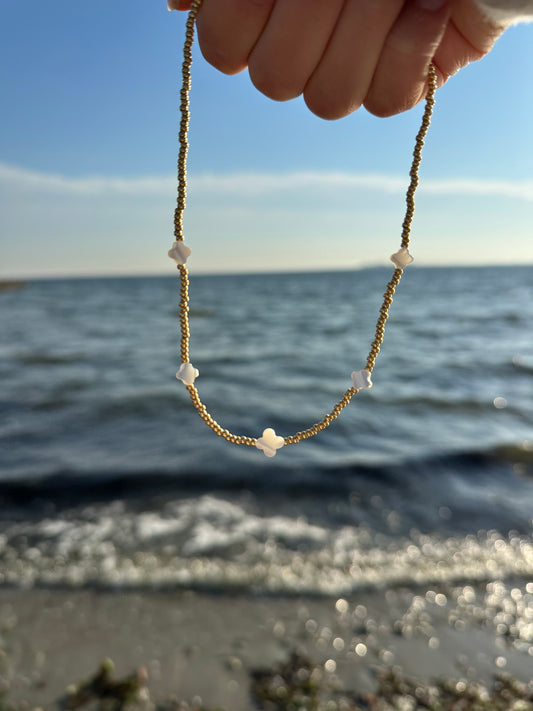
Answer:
(270, 442)
(401, 258)
(361, 379)
(179, 252)
(187, 373)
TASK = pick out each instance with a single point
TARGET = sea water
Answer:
(109, 478)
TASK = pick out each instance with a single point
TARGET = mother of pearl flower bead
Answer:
(179, 252)
(361, 379)
(269, 442)
(401, 258)
(187, 373)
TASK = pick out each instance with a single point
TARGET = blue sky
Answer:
(88, 150)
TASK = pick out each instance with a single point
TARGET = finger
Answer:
(179, 4)
(292, 45)
(475, 27)
(468, 37)
(400, 80)
(454, 52)
(342, 79)
(229, 29)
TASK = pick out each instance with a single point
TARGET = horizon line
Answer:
(26, 278)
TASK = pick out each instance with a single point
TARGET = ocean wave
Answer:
(521, 363)
(70, 486)
(520, 453)
(204, 545)
(48, 358)
(442, 401)
(141, 402)
(198, 313)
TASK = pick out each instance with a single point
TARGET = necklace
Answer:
(270, 442)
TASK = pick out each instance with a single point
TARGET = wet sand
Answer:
(202, 647)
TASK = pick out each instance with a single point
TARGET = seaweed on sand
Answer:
(299, 684)
(111, 694)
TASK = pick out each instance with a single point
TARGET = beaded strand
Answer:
(269, 442)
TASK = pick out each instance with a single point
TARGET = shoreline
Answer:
(204, 647)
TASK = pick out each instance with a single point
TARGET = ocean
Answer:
(110, 480)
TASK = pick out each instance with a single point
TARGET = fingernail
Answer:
(168, 6)
(432, 5)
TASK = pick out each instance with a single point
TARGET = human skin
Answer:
(344, 54)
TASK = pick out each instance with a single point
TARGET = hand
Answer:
(343, 54)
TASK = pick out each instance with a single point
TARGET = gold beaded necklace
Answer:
(269, 442)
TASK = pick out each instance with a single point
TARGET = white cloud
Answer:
(517, 189)
(267, 183)
(18, 179)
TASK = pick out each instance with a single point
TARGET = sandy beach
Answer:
(202, 647)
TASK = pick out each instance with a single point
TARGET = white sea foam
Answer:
(212, 543)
